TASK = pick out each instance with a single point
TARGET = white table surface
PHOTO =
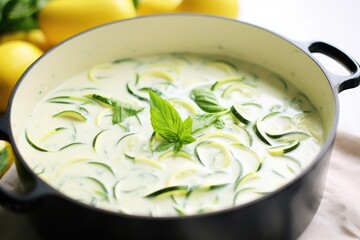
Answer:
(332, 21)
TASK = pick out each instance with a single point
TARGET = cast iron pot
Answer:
(283, 214)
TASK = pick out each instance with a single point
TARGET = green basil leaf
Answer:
(164, 145)
(206, 100)
(202, 121)
(177, 147)
(109, 102)
(219, 124)
(187, 127)
(165, 120)
(187, 139)
(123, 111)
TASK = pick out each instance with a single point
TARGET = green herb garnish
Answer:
(206, 100)
(167, 122)
(122, 110)
(202, 121)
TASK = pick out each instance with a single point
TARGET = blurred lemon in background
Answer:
(15, 57)
(225, 8)
(157, 6)
(61, 19)
(34, 36)
(7, 157)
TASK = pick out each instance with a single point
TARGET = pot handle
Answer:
(37, 191)
(339, 83)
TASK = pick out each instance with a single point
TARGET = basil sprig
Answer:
(167, 122)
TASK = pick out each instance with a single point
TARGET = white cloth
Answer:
(338, 217)
(332, 21)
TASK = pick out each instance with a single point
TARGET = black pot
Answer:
(283, 214)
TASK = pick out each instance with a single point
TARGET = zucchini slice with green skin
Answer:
(103, 192)
(246, 113)
(146, 161)
(224, 65)
(271, 114)
(235, 110)
(259, 134)
(294, 160)
(123, 137)
(246, 177)
(69, 99)
(226, 80)
(211, 187)
(159, 74)
(125, 60)
(282, 149)
(249, 150)
(134, 93)
(70, 145)
(181, 211)
(52, 132)
(219, 134)
(96, 139)
(183, 190)
(276, 123)
(147, 89)
(71, 114)
(103, 165)
(278, 174)
(245, 90)
(241, 191)
(169, 191)
(33, 145)
(91, 73)
(225, 150)
(289, 136)
(172, 153)
(187, 105)
(242, 130)
(181, 174)
(115, 191)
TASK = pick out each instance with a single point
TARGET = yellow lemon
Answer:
(15, 58)
(225, 8)
(62, 19)
(34, 36)
(21, 35)
(7, 157)
(157, 6)
(37, 37)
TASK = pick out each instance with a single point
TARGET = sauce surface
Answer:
(93, 138)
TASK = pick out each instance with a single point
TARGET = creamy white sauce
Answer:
(100, 170)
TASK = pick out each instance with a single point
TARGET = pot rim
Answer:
(327, 145)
